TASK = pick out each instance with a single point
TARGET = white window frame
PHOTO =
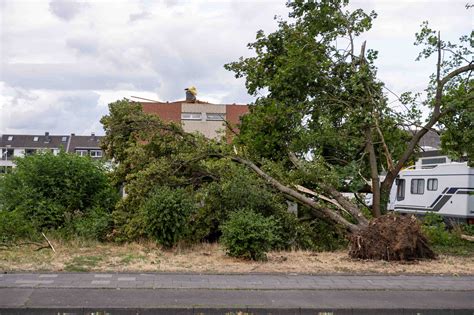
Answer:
(432, 184)
(10, 138)
(215, 116)
(400, 189)
(417, 186)
(63, 139)
(35, 139)
(82, 152)
(191, 116)
(96, 153)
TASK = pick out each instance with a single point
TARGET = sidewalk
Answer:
(141, 293)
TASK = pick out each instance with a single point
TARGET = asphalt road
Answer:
(134, 293)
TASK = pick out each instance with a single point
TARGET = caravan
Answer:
(446, 189)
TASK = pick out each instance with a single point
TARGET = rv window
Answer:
(417, 186)
(432, 184)
(400, 189)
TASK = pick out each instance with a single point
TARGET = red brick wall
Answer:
(166, 111)
(233, 114)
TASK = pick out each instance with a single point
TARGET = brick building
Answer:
(194, 115)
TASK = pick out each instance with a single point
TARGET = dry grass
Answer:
(207, 258)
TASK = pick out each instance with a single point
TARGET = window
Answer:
(433, 161)
(191, 116)
(64, 139)
(418, 186)
(7, 154)
(432, 184)
(82, 152)
(215, 116)
(30, 151)
(35, 139)
(10, 138)
(96, 153)
(5, 169)
(400, 189)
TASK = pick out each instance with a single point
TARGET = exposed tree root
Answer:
(391, 237)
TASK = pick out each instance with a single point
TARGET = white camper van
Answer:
(446, 189)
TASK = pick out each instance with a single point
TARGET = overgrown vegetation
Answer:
(64, 193)
(325, 126)
(166, 214)
(447, 240)
(249, 235)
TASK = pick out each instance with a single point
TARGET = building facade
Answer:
(12, 146)
(212, 120)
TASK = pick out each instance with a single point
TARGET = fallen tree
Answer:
(327, 119)
(324, 126)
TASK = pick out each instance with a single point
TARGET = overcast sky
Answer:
(62, 61)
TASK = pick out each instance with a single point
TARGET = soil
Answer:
(392, 238)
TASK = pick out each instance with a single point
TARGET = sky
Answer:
(63, 61)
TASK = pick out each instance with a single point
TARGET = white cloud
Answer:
(66, 9)
(71, 56)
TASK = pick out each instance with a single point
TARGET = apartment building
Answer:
(212, 120)
(14, 145)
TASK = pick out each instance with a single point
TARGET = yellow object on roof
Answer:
(193, 90)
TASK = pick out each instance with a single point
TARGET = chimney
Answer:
(46, 137)
(93, 136)
(191, 93)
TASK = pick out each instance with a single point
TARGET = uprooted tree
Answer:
(325, 118)
(324, 125)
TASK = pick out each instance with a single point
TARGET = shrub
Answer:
(236, 188)
(166, 214)
(49, 190)
(249, 235)
(13, 225)
(95, 224)
(435, 230)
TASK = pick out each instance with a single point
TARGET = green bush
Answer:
(435, 230)
(95, 224)
(166, 214)
(13, 226)
(249, 235)
(53, 192)
(236, 188)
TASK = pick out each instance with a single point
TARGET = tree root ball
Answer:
(391, 237)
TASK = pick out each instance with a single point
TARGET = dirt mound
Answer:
(391, 237)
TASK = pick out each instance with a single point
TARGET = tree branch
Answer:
(434, 118)
(388, 156)
(334, 216)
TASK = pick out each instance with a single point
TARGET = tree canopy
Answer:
(325, 106)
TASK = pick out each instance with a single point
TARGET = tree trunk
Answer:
(374, 174)
(329, 213)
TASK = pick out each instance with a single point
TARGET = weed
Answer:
(82, 263)
(129, 258)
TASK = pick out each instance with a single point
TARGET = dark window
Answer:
(432, 184)
(433, 161)
(400, 189)
(30, 152)
(5, 169)
(417, 186)
(7, 154)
